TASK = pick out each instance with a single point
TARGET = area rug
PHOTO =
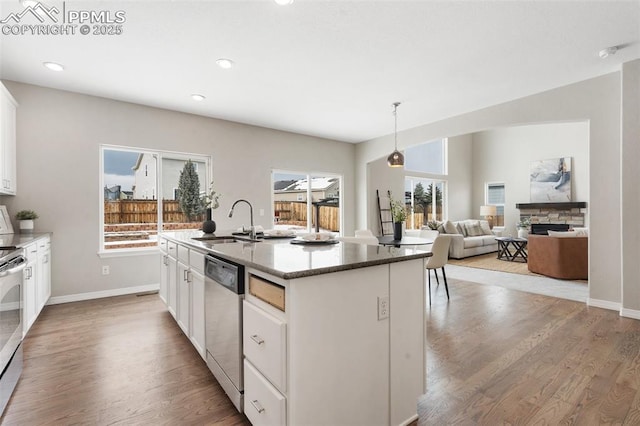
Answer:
(490, 261)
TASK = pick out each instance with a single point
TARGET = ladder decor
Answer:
(386, 220)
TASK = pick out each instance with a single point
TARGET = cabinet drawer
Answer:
(263, 404)
(264, 339)
(268, 292)
(196, 261)
(31, 252)
(183, 254)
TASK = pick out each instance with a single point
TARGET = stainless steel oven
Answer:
(224, 292)
(12, 264)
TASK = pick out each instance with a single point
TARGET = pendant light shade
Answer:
(396, 159)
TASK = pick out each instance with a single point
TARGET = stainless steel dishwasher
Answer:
(224, 291)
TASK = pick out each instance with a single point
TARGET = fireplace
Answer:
(572, 214)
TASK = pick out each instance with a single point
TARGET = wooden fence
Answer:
(144, 211)
(295, 213)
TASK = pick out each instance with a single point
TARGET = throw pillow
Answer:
(450, 228)
(486, 229)
(473, 228)
(582, 232)
(461, 229)
(441, 228)
(561, 234)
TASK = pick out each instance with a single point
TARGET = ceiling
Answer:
(329, 68)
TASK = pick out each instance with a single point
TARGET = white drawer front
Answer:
(263, 404)
(163, 245)
(183, 254)
(196, 261)
(265, 344)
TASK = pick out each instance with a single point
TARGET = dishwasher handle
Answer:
(224, 273)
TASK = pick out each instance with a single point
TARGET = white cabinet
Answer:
(263, 404)
(182, 289)
(43, 276)
(36, 281)
(172, 275)
(29, 284)
(8, 107)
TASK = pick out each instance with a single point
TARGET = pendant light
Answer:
(396, 159)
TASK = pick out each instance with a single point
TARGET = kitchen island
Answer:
(332, 334)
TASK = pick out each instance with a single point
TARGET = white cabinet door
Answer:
(172, 285)
(164, 278)
(7, 142)
(184, 298)
(29, 313)
(43, 276)
(197, 312)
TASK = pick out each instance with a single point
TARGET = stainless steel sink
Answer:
(215, 239)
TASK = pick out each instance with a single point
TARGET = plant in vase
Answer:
(210, 201)
(399, 215)
(26, 218)
(523, 227)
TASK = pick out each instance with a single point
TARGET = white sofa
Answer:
(465, 240)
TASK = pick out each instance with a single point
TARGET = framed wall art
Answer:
(5, 221)
(551, 180)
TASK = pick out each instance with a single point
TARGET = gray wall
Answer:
(504, 155)
(59, 134)
(597, 101)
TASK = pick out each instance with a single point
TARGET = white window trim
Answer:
(160, 154)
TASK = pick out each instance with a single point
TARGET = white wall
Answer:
(460, 178)
(505, 155)
(59, 134)
(597, 101)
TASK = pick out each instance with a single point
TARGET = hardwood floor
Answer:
(119, 360)
(498, 356)
(495, 356)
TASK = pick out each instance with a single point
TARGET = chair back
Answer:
(364, 233)
(371, 241)
(431, 234)
(440, 250)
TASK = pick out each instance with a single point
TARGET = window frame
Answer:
(309, 176)
(488, 203)
(160, 155)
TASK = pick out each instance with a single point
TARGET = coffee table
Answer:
(512, 249)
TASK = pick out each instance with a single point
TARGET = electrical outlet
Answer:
(105, 270)
(383, 308)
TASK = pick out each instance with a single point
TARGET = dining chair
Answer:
(440, 250)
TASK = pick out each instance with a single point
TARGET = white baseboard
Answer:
(605, 304)
(100, 294)
(630, 313)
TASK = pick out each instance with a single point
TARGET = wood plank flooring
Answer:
(495, 356)
(118, 360)
(498, 356)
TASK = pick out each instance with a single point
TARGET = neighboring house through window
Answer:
(304, 201)
(494, 195)
(140, 196)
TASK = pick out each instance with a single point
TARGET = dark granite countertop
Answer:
(282, 259)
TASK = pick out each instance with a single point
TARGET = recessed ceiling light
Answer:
(224, 63)
(283, 2)
(27, 3)
(53, 66)
(604, 53)
(197, 97)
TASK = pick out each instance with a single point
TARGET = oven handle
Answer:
(15, 269)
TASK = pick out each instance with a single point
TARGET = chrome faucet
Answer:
(252, 230)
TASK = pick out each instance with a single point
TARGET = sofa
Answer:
(559, 255)
(470, 237)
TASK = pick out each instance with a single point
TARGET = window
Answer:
(421, 203)
(429, 157)
(305, 201)
(494, 195)
(141, 197)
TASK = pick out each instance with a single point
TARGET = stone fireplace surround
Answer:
(571, 213)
